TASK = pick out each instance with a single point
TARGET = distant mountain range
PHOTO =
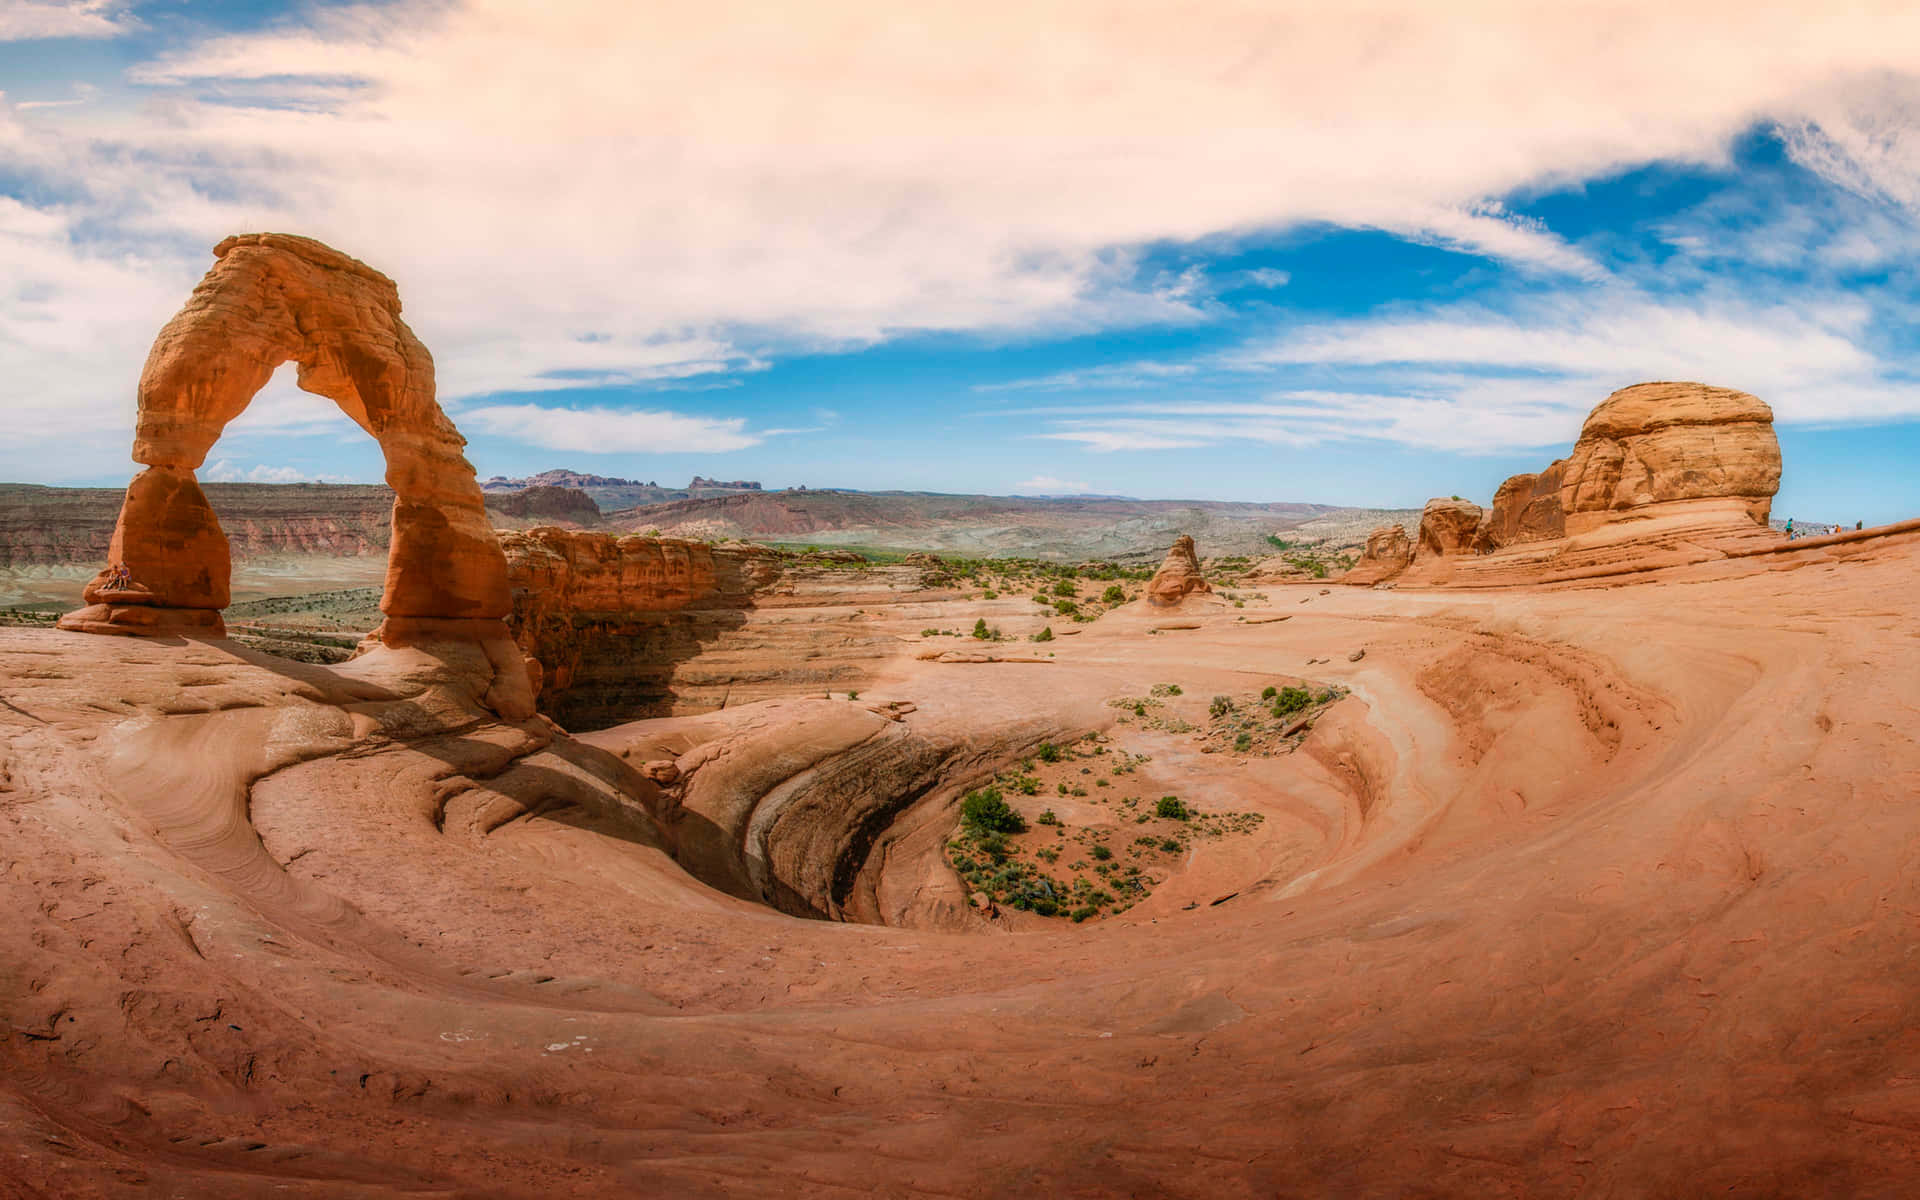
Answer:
(610, 492)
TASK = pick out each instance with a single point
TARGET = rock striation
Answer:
(545, 503)
(269, 299)
(1661, 443)
(1447, 527)
(1662, 474)
(1387, 554)
(1178, 577)
(1526, 508)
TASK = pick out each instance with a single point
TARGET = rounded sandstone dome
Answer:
(1645, 407)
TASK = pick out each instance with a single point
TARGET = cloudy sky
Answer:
(1355, 253)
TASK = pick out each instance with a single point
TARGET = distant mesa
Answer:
(1662, 473)
(545, 502)
(561, 477)
(272, 298)
(1178, 577)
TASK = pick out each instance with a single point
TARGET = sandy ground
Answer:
(1600, 891)
(253, 579)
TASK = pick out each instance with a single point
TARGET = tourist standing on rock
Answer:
(1789, 528)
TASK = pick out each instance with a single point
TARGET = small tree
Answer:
(1171, 808)
(1113, 595)
(981, 631)
(988, 812)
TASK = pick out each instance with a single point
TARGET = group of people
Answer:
(1817, 531)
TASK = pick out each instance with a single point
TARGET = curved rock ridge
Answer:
(272, 298)
(1388, 552)
(1654, 443)
(1178, 577)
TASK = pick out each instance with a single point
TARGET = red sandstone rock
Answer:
(1655, 443)
(1525, 509)
(1447, 528)
(1178, 577)
(1388, 552)
(269, 299)
(272, 298)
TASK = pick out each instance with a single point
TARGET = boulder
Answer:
(1662, 443)
(1178, 577)
(1388, 552)
(1526, 508)
(1447, 528)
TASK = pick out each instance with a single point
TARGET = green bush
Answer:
(986, 811)
(1172, 808)
(1047, 753)
(1065, 608)
(1243, 743)
(1171, 845)
(1220, 706)
(1269, 692)
(1083, 912)
(1047, 818)
(1291, 700)
(1065, 588)
(1045, 634)
(1113, 595)
(981, 631)
(1101, 852)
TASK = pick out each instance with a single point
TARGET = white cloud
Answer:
(581, 193)
(228, 471)
(1047, 485)
(611, 431)
(33, 20)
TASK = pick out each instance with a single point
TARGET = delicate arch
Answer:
(273, 298)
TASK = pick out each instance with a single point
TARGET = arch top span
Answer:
(272, 298)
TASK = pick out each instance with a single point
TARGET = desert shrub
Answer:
(989, 594)
(1101, 852)
(1065, 608)
(929, 633)
(1047, 818)
(1171, 845)
(1043, 598)
(1171, 807)
(1065, 588)
(981, 631)
(1166, 689)
(1269, 692)
(1103, 783)
(1326, 696)
(1140, 710)
(1026, 785)
(1291, 700)
(1244, 742)
(1062, 785)
(1083, 912)
(1220, 706)
(1114, 594)
(985, 810)
(1045, 634)
(1048, 753)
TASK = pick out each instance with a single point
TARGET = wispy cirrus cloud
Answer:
(38, 20)
(612, 430)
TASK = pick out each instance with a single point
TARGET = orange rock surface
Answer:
(1526, 508)
(1658, 442)
(1178, 577)
(1592, 890)
(270, 299)
(1388, 552)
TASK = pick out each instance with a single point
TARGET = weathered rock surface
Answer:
(544, 503)
(1447, 527)
(1526, 508)
(269, 299)
(1660, 442)
(1388, 552)
(1178, 577)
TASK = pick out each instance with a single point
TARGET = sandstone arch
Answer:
(269, 299)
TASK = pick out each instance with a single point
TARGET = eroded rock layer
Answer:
(270, 299)
(1388, 552)
(1178, 577)
(1655, 443)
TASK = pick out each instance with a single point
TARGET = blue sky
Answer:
(1359, 254)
